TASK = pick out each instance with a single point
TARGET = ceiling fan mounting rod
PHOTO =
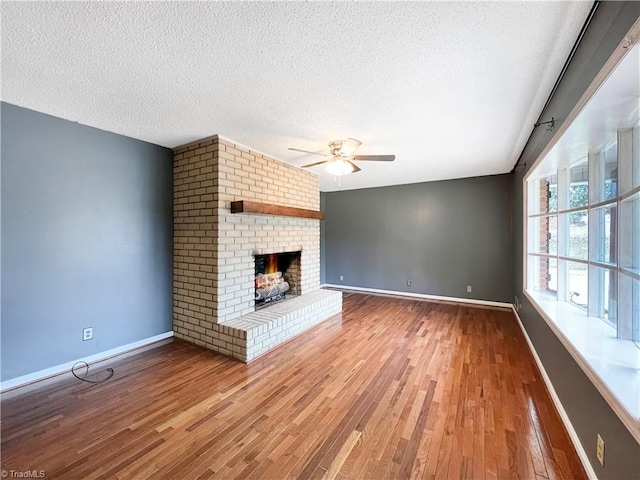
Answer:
(335, 147)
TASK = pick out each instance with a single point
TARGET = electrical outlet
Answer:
(341, 277)
(468, 288)
(408, 283)
(600, 450)
(87, 334)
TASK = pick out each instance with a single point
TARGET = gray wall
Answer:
(588, 412)
(86, 240)
(442, 236)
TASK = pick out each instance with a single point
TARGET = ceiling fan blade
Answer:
(355, 167)
(375, 158)
(314, 164)
(307, 151)
(349, 145)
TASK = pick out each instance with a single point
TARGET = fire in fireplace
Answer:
(275, 275)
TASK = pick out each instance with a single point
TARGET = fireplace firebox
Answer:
(276, 276)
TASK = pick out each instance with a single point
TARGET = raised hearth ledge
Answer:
(244, 206)
(257, 333)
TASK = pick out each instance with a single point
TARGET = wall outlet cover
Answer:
(469, 288)
(600, 450)
(87, 334)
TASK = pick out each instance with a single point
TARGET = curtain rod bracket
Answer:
(550, 124)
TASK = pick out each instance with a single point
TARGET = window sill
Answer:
(612, 364)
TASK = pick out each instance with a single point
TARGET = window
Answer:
(582, 261)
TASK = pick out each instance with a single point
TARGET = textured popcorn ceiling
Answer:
(453, 89)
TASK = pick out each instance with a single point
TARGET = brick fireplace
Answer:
(214, 249)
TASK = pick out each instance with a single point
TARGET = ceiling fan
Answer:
(342, 158)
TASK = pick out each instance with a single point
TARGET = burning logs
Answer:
(270, 286)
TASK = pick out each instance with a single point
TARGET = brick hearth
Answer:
(214, 249)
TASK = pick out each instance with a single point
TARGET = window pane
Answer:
(606, 293)
(629, 308)
(630, 233)
(578, 178)
(609, 185)
(552, 223)
(628, 149)
(635, 156)
(578, 284)
(546, 198)
(604, 231)
(552, 285)
(635, 315)
(545, 234)
(546, 274)
(577, 224)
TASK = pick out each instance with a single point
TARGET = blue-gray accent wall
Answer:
(588, 411)
(86, 240)
(441, 236)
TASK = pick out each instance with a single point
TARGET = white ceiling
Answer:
(453, 89)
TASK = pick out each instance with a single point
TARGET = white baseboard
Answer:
(556, 401)
(420, 295)
(66, 367)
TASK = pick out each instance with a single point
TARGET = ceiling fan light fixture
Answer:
(339, 167)
(341, 161)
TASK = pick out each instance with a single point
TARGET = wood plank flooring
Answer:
(394, 388)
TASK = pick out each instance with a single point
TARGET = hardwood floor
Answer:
(394, 388)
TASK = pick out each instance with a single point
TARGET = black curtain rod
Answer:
(560, 77)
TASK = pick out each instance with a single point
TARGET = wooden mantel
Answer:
(244, 206)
